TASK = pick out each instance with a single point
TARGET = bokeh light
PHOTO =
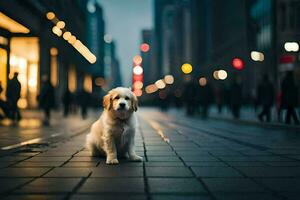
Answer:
(138, 70)
(151, 88)
(138, 93)
(186, 68)
(169, 79)
(257, 56)
(160, 84)
(222, 74)
(238, 63)
(137, 60)
(202, 81)
(67, 35)
(215, 75)
(50, 15)
(138, 85)
(144, 47)
(61, 24)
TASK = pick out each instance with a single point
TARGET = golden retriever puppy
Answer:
(113, 133)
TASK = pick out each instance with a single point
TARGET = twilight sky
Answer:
(124, 21)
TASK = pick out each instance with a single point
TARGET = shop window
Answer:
(88, 83)
(54, 67)
(72, 79)
(24, 59)
(3, 71)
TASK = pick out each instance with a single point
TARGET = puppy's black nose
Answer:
(122, 105)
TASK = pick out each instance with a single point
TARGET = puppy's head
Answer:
(121, 102)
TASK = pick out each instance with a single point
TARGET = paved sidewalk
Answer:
(180, 162)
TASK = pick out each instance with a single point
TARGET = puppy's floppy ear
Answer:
(134, 102)
(107, 102)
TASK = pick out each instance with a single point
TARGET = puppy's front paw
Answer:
(112, 161)
(136, 158)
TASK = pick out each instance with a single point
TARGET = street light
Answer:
(145, 47)
(238, 63)
(222, 74)
(257, 56)
(137, 70)
(186, 68)
(291, 46)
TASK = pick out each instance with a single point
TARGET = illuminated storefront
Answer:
(24, 59)
(21, 54)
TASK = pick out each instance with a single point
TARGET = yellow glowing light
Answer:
(53, 51)
(22, 103)
(72, 39)
(138, 70)
(215, 75)
(169, 79)
(88, 83)
(56, 31)
(72, 80)
(3, 40)
(137, 60)
(11, 25)
(291, 46)
(61, 24)
(67, 35)
(138, 85)
(186, 68)
(3, 71)
(50, 15)
(202, 81)
(222, 74)
(151, 88)
(160, 84)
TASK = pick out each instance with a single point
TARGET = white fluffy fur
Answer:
(113, 133)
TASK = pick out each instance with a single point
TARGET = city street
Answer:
(184, 158)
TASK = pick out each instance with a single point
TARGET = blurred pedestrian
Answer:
(83, 101)
(67, 100)
(235, 98)
(289, 97)
(278, 101)
(190, 97)
(219, 98)
(46, 99)
(205, 98)
(265, 98)
(13, 94)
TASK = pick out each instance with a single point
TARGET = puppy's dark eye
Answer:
(117, 97)
(127, 98)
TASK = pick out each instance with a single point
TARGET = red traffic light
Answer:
(145, 47)
(238, 63)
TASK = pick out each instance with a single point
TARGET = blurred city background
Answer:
(235, 58)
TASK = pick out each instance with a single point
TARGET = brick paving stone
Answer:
(215, 172)
(168, 172)
(23, 172)
(50, 185)
(232, 185)
(113, 185)
(48, 159)
(11, 183)
(164, 158)
(205, 164)
(85, 159)
(281, 184)
(175, 185)
(164, 164)
(109, 197)
(68, 172)
(181, 197)
(246, 196)
(35, 197)
(80, 164)
(270, 171)
(199, 158)
(39, 164)
(245, 163)
(117, 171)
